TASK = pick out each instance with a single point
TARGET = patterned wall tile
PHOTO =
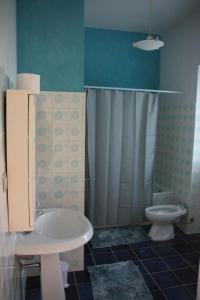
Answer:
(175, 151)
(60, 152)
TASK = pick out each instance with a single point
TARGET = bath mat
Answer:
(118, 281)
(108, 237)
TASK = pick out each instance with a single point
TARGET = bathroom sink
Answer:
(56, 230)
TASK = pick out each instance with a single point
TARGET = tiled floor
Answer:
(169, 268)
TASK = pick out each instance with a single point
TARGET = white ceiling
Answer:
(132, 15)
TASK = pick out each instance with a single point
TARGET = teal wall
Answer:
(110, 60)
(51, 42)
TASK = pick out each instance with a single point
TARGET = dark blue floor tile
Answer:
(33, 295)
(87, 249)
(187, 275)
(33, 282)
(192, 237)
(166, 279)
(101, 250)
(195, 245)
(150, 283)
(120, 248)
(71, 293)
(192, 259)
(71, 278)
(82, 276)
(178, 293)
(193, 289)
(165, 251)
(89, 261)
(183, 248)
(140, 245)
(85, 291)
(175, 262)
(104, 258)
(125, 255)
(158, 295)
(158, 244)
(146, 253)
(141, 267)
(155, 265)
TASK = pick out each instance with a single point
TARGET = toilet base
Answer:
(162, 232)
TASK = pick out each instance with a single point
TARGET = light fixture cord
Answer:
(150, 25)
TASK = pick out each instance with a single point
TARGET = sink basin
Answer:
(56, 230)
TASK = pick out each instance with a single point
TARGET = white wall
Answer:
(180, 58)
(9, 282)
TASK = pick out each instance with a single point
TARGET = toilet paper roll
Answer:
(28, 82)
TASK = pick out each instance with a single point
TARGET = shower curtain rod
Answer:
(129, 89)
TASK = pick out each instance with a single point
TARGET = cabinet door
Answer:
(20, 160)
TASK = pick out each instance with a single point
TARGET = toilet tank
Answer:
(162, 195)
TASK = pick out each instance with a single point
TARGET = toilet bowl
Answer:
(163, 218)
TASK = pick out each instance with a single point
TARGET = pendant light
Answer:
(151, 42)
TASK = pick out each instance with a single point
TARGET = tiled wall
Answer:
(9, 277)
(174, 153)
(60, 158)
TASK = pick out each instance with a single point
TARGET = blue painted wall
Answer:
(51, 42)
(110, 60)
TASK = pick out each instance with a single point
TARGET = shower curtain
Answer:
(121, 128)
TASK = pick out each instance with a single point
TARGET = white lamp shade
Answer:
(149, 44)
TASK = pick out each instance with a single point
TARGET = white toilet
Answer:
(162, 218)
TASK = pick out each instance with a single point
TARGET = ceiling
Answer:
(132, 15)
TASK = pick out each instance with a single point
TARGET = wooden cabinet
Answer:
(20, 152)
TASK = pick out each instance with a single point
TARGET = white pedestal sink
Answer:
(56, 230)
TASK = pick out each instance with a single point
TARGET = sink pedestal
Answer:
(51, 277)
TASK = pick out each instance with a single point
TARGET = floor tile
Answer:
(101, 250)
(178, 293)
(86, 249)
(125, 255)
(165, 251)
(104, 258)
(141, 266)
(187, 275)
(166, 279)
(192, 259)
(193, 289)
(120, 248)
(89, 261)
(155, 265)
(33, 295)
(150, 283)
(33, 282)
(82, 276)
(183, 248)
(71, 293)
(158, 295)
(192, 237)
(140, 245)
(175, 262)
(85, 291)
(196, 245)
(146, 253)
(71, 278)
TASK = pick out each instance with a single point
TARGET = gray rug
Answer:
(109, 237)
(118, 281)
